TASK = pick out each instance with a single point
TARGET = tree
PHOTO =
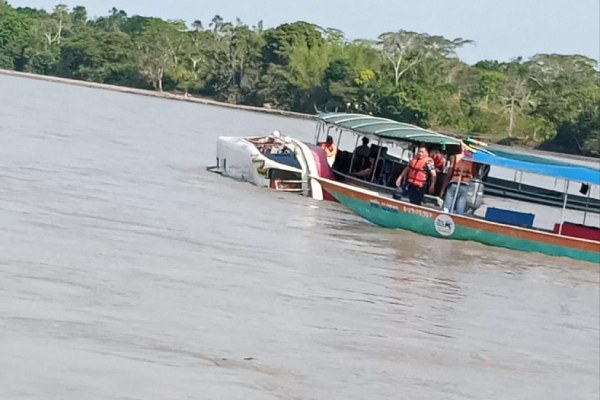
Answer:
(279, 41)
(79, 15)
(581, 136)
(15, 30)
(516, 92)
(562, 85)
(159, 46)
(404, 49)
(235, 52)
(101, 57)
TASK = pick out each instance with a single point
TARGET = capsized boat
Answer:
(279, 162)
(502, 227)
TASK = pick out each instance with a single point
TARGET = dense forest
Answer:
(551, 101)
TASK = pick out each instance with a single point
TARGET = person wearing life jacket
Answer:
(420, 176)
(330, 150)
(457, 181)
(439, 161)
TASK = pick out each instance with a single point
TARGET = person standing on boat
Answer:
(457, 181)
(363, 150)
(361, 158)
(439, 161)
(330, 150)
(420, 175)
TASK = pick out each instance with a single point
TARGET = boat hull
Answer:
(239, 158)
(391, 213)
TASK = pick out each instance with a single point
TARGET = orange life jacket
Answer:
(417, 175)
(462, 169)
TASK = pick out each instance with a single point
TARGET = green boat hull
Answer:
(393, 217)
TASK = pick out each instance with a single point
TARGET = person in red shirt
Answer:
(439, 161)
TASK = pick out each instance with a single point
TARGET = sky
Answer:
(501, 29)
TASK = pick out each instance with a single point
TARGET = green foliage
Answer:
(14, 32)
(280, 41)
(407, 76)
(307, 65)
(43, 63)
(581, 136)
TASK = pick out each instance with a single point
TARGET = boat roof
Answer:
(538, 165)
(386, 128)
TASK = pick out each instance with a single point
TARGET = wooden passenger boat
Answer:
(502, 227)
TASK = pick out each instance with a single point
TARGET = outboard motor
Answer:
(474, 195)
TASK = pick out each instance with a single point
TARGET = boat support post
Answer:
(353, 153)
(462, 167)
(520, 179)
(374, 166)
(318, 132)
(562, 214)
(587, 203)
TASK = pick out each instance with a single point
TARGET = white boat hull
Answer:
(239, 158)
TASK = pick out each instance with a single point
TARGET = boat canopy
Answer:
(387, 129)
(534, 164)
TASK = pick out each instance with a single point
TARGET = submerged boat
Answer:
(502, 227)
(279, 162)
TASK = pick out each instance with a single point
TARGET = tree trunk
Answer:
(511, 118)
(161, 73)
(59, 33)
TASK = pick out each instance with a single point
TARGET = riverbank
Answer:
(153, 93)
(284, 113)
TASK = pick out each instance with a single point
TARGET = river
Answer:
(127, 271)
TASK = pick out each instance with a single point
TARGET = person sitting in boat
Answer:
(368, 167)
(420, 177)
(330, 150)
(374, 160)
(456, 183)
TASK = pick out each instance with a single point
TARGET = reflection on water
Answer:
(128, 271)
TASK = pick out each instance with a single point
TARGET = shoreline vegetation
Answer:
(154, 93)
(549, 102)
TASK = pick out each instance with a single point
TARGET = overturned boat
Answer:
(275, 161)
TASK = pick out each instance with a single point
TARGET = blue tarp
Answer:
(537, 165)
